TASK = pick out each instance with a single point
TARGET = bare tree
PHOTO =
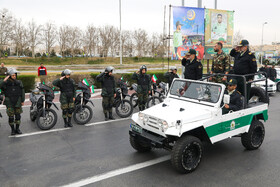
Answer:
(63, 38)
(34, 34)
(19, 37)
(105, 35)
(6, 28)
(115, 41)
(49, 35)
(91, 39)
(127, 39)
(141, 41)
(74, 39)
(237, 38)
(155, 43)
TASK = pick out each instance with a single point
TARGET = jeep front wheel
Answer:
(186, 154)
(255, 136)
(139, 146)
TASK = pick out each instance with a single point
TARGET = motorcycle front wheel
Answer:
(82, 115)
(47, 122)
(124, 108)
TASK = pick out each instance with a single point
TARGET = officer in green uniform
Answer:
(236, 100)
(14, 99)
(244, 63)
(108, 91)
(220, 64)
(3, 69)
(171, 74)
(67, 96)
(144, 86)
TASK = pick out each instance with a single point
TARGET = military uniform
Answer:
(244, 63)
(108, 92)
(144, 86)
(14, 96)
(67, 93)
(193, 69)
(220, 64)
(3, 70)
(170, 76)
(272, 74)
(236, 101)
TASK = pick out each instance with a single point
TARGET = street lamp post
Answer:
(120, 33)
(262, 41)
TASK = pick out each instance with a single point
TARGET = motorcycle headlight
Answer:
(141, 116)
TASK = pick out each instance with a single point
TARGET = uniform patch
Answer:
(254, 59)
(199, 67)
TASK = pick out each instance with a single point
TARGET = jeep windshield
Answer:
(195, 90)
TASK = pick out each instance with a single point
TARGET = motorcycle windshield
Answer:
(82, 86)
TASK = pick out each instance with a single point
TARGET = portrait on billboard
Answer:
(219, 26)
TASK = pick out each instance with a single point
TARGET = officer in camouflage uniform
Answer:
(220, 64)
(144, 86)
(14, 99)
(170, 75)
(67, 96)
(108, 91)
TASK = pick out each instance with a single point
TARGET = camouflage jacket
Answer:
(63, 99)
(7, 101)
(221, 63)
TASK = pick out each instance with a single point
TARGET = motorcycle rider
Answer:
(108, 91)
(14, 99)
(144, 86)
(67, 96)
(170, 75)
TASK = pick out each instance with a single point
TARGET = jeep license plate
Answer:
(136, 128)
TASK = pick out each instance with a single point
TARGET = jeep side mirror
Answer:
(226, 99)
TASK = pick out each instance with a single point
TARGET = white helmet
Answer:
(12, 71)
(67, 72)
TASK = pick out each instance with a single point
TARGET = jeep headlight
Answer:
(141, 116)
(163, 124)
(146, 118)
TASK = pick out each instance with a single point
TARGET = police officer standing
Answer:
(14, 99)
(220, 64)
(171, 74)
(244, 63)
(273, 72)
(144, 86)
(193, 68)
(236, 100)
(67, 96)
(108, 91)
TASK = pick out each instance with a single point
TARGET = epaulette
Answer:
(238, 92)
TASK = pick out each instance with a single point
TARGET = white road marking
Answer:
(110, 121)
(39, 132)
(117, 172)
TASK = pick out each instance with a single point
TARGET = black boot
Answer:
(111, 116)
(106, 116)
(65, 122)
(13, 132)
(17, 129)
(69, 122)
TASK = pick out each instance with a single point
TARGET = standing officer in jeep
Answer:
(108, 91)
(193, 68)
(144, 86)
(67, 96)
(244, 63)
(14, 99)
(220, 64)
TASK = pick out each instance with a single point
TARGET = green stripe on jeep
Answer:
(230, 125)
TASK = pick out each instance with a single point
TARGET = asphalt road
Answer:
(100, 155)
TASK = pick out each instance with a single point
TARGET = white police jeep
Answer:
(192, 113)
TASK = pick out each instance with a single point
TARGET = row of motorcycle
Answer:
(46, 118)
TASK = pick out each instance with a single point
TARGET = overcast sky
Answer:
(147, 14)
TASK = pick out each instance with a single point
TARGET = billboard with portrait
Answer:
(218, 28)
(188, 31)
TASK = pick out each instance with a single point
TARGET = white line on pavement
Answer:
(117, 172)
(102, 122)
(39, 132)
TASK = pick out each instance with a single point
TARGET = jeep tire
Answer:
(278, 86)
(260, 93)
(186, 154)
(255, 136)
(139, 146)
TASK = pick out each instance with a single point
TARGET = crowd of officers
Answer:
(244, 63)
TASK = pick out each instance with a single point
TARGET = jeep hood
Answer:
(180, 110)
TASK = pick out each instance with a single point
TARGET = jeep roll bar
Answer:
(207, 76)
